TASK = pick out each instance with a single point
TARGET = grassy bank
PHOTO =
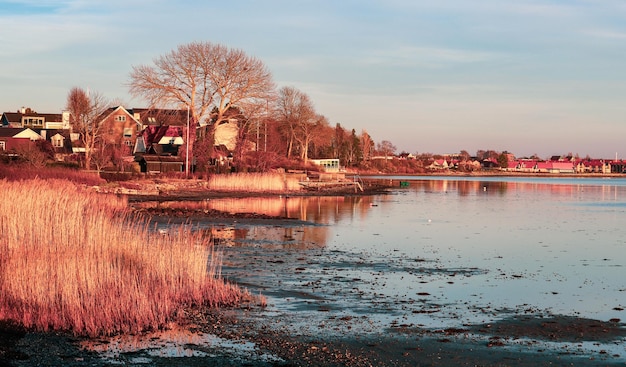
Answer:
(76, 260)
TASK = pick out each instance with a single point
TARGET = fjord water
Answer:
(438, 251)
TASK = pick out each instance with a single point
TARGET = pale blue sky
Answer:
(527, 76)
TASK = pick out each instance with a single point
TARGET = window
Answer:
(128, 132)
(57, 142)
(3, 146)
(120, 118)
(32, 121)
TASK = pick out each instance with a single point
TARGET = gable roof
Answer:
(113, 110)
(19, 133)
(160, 117)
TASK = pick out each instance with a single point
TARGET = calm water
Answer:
(460, 246)
(438, 252)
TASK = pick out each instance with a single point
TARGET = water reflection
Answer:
(320, 210)
(607, 189)
(310, 229)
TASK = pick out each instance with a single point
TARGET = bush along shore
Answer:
(77, 261)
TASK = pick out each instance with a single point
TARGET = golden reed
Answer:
(255, 182)
(75, 260)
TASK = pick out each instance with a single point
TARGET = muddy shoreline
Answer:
(499, 344)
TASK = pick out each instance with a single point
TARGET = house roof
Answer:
(154, 134)
(19, 132)
(17, 116)
(160, 117)
(113, 110)
(9, 132)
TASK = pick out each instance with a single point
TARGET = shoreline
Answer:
(192, 189)
(515, 341)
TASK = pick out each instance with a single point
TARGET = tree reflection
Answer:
(286, 229)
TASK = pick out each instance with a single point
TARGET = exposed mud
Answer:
(265, 343)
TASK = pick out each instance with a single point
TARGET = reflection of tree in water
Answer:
(317, 210)
(276, 236)
(461, 187)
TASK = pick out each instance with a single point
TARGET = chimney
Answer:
(66, 120)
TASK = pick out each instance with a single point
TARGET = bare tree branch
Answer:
(85, 108)
(208, 78)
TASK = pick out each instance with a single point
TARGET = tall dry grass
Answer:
(77, 261)
(255, 182)
(23, 172)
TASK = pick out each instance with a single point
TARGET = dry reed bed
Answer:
(22, 172)
(75, 260)
(255, 182)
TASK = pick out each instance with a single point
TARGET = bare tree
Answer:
(296, 112)
(33, 153)
(367, 145)
(207, 78)
(85, 108)
(314, 138)
(386, 148)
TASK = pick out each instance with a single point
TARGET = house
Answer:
(152, 136)
(149, 136)
(618, 166)
(439, 164)
(226, 133)
(592, 166)
(406, 156)
(119, 129)
(27, 118)
(560, 167)
(327, 165)
(154, 163)
(13, 139)
(123, 126)
(158, 117)
(161, 140)
(522, 165)
(60, 142)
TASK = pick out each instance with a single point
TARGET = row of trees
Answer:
(216, 84)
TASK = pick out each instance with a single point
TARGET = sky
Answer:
(541, 77)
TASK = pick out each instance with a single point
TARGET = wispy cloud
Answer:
(433, 57)
(606, 34)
